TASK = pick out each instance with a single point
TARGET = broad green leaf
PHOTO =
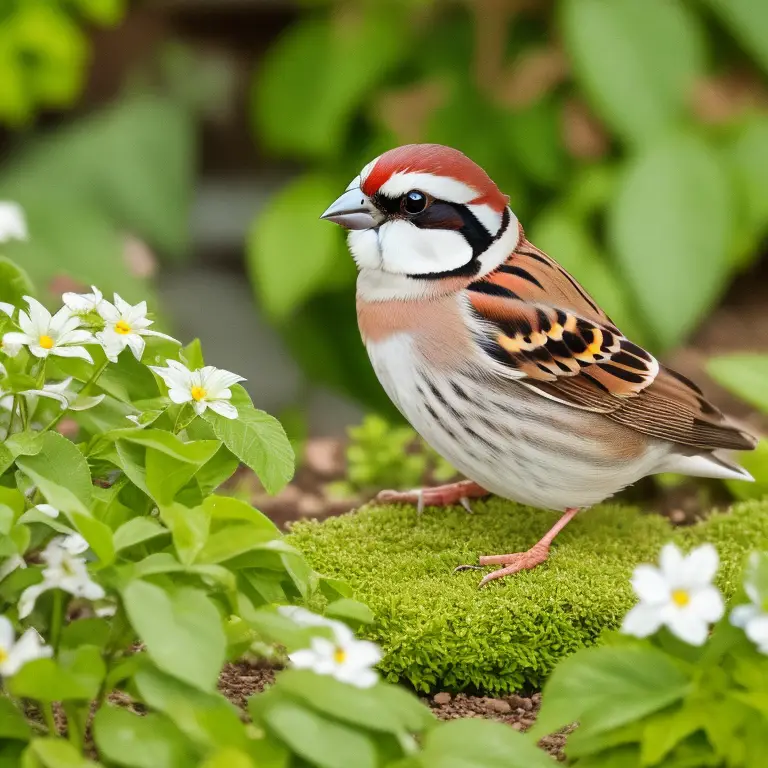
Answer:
(98, 535)
(75, 675)
(238, 539)
(12, 498)
(670, 224)
(207, 718)
(131, 461)
(227, 508)
(137, 531)
(189, 527)
(15, 283)
(286, 271)
(167, 475)
(229, 758)
(61, 473)
(319, 73)
(218, 470)
(257, 439)
(640, 89)
(88, 631)
(321, 741)
(583, 687)
(13, 724)
(164, 562)
(57, 753)
(350, 610)
(140, 741)
(194, 452)
(182, 631)
(745, 375)
(748, 21)
(362, 707)
(474, 743)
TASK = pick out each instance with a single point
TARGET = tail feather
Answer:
(706, 464)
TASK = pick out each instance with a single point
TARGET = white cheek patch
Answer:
(489, 218)
(440, 187)
(364, 246)
(408, 250)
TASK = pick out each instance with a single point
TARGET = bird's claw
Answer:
(460, 568)
(464, 501)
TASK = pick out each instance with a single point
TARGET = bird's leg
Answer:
(520, 561)
(440, 496)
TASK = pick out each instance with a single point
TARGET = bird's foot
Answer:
(440, 496)
(513, 563)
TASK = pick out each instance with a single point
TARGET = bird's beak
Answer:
(354, 210)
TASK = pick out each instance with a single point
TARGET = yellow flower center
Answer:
(340, 656)
(122, 327)
(3, 655)
(681, 598)
(198, 393)
(46, 342)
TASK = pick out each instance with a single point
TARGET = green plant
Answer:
(619, 128)
(438, 632)
(123, 572)
(663, 702)
(746, 375)
(44, 52)
(384, 455)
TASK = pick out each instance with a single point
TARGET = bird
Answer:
(501, 360)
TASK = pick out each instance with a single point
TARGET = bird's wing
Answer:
(543, 329)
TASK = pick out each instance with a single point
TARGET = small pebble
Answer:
(442, 698)
(499, 705)
(515, 701)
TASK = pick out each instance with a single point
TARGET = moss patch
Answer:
(440, 632)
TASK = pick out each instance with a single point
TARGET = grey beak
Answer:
(354, 210)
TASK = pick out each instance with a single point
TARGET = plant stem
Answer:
(47, 710)
(183, 423)
(84, 391)
(76, 737)
(56, 617)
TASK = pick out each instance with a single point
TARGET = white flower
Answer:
(753, 617)
(14, 654)
(9, 309)
(205, 388)
(125, 326)
(305, 618)
(82, 303)
(9, 348)
(13, 225)
(46, 335)
(48, 510)
(10, 564)
(679, 594)
(347, 659)
(58, 391)
(65, 571)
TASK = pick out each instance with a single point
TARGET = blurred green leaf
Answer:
(288, 263)
(756, 463)
(182, 631)
(351, 611)
(319, 72)
(137, 531)
(670, 225)
(14, 283)
(76, 675)
(257, 439)
(106, 12)
(636, 59)
(55, 753)
(748, 21)
(140, 741)
(13, 724)
(743, 374)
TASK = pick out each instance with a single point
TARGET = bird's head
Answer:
(425, 212)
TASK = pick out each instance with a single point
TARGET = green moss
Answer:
(439, 631)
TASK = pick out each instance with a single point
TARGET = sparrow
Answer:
(501, 360)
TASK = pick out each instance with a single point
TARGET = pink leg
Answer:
(441, 496)
(520, 561)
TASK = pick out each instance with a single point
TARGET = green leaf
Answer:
(350, 611)
(320, 71)
(226, 508)
(639, 89)
(257, 439)
(363, 707)
(182, 631)
(15, 283)
(218, 470)
(13, 725)
(756, 463)
(323, 742)
(480, 744)
(89, 631)
(148, 741)
(75, 675)
(285, 272)
(137, 531)
(235, 540)
(748, 21)
(583, 687)
(167, 475)
(207, 718)
(745, 375)
(98, 535)
(670, 224)
(57, 753)
(189, 527)
(61, 473)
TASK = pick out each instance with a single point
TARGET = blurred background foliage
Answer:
(186, 148)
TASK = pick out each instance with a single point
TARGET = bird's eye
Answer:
(414, 202)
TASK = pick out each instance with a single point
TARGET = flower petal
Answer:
(671, 563)
(48, 510)
(757, 629)
(7, 634)
(223, 408)
(29, 597)
(39, 315)
(741, 615)
(642, 620)
(179, 395)
(7, 308)
(688, 627)
(708, 604)
(700, 565)
(80, 352)
(649, 584)
(136, 344)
